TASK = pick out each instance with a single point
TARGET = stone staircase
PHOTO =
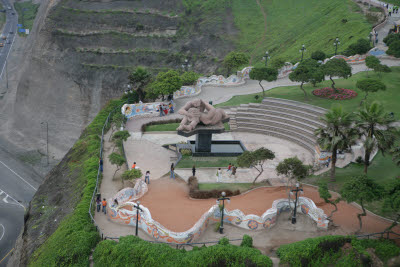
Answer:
(286, 119)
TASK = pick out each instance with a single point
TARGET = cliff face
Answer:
(80, 53)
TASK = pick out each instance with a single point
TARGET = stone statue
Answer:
(197, 111)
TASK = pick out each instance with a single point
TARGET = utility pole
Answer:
(295, 203)
(137, 216)
(223, 198)
(6, 75)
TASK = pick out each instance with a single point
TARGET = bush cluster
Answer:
(194, 191)
(132, 174)
(362, 46)
(72, 242)
(143, 129)
(186, 152)
(133, 251)
(335, 250)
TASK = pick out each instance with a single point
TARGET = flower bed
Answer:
(329, 93)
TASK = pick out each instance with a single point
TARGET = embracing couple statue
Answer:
(197, 111)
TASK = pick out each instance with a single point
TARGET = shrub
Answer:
(277, 63)
(132, 174)
(247, 241)
(189, 78)
(361, 47)
(384, 249)
(186, 152)
(318, 55)
(223, 241)
(193, 184)
(391, 38)
(329, 93)
(216, 226)
(394, 49)
(215, 193)
(359, 160)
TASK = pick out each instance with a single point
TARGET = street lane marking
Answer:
(4, 230)
(1, 74)
(6, 255)
(8, 196)
(17, 174)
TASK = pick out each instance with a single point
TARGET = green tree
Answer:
(255, 159)
(277, 63)
(167, 83)
(132, 174)
(371, 62)
(189, 77)
(391, 203)
(119, 137)
(139, 78)
(361, 47)
(318, 55)
(263, 74)
(117, 160)
(394, 49)
(396, 155)
(326, 196)
(337, 134)
(234, 60)
(307, 71)
(374, 124)
(369, 85)
(380, 68)
(361, 189)
(336, 67)
(293, 169)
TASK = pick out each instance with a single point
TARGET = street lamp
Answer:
(47, 141)
(336, 43)
(223, 198)
(137, 216)
(129, 92)
(302, 49)
(186, 65)
(295, 202)
(266, 57)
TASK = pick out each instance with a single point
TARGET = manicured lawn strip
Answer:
(72, 242)
(26, 14)
(389, 98)
(228, 186)
(200, 162)
(171, 127)
(290, 24)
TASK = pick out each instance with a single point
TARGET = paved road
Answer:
(10, 26)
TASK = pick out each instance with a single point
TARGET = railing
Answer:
(384, 234)
(99, 173)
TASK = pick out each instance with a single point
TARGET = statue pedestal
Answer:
(203, 142)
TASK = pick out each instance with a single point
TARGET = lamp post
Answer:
(295, 202)
(223, 198)
(129, 92)
(336, 43)
(137, 216)
(266, 57)
(47, 140)
(302, 49)
(185, 65)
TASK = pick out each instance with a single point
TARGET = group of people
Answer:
(165, 109)
(146, 176)
(231, 170)
(392, 9)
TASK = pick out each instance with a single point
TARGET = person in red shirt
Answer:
(134, 165)
(104, 204)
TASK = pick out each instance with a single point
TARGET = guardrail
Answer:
(99, 173)
(384, 234)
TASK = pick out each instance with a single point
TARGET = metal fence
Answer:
(385, 234)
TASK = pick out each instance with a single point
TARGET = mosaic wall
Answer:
(131, 110)
(356, 59)
(125, 213)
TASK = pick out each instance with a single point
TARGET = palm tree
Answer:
(374, 124)
(338, 133)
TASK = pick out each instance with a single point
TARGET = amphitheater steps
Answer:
(285, 119)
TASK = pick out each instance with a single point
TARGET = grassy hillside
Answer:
(315, 23)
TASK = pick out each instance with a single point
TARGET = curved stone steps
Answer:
(306, 145)
(293, 104)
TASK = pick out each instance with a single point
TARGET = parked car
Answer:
(9, 8)
(3, 37)
(1, 44)
(13, 13)
(11, 32)
(8, 42)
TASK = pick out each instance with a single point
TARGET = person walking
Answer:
(172, 171)
(194, 170)
(104, 204)
(161, 110)
(234, 170)
(229, 167)
(328, 161)
(390, 10)
(134, 165)
(147, 177)
(219, 175)
(98, 202)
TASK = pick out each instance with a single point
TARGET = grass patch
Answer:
(26, 14)
(200, 162)
(171, 127)
(228, 186)
(315, 23)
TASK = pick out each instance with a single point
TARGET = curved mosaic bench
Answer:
(131, 194)
(125, 213)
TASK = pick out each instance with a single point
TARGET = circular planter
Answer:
(329, 93)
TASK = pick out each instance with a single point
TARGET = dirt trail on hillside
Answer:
(170, 205)
(265, 30)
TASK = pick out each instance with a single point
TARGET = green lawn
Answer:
(202, 162)
(233, 187)
(290, 24)
(390, 98)
(26, 14)
(171, 127)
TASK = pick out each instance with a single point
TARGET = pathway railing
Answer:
(385, 234)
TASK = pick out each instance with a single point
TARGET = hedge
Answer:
(133, 251)
(194, 191)
(72, 242)
(325, 250)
